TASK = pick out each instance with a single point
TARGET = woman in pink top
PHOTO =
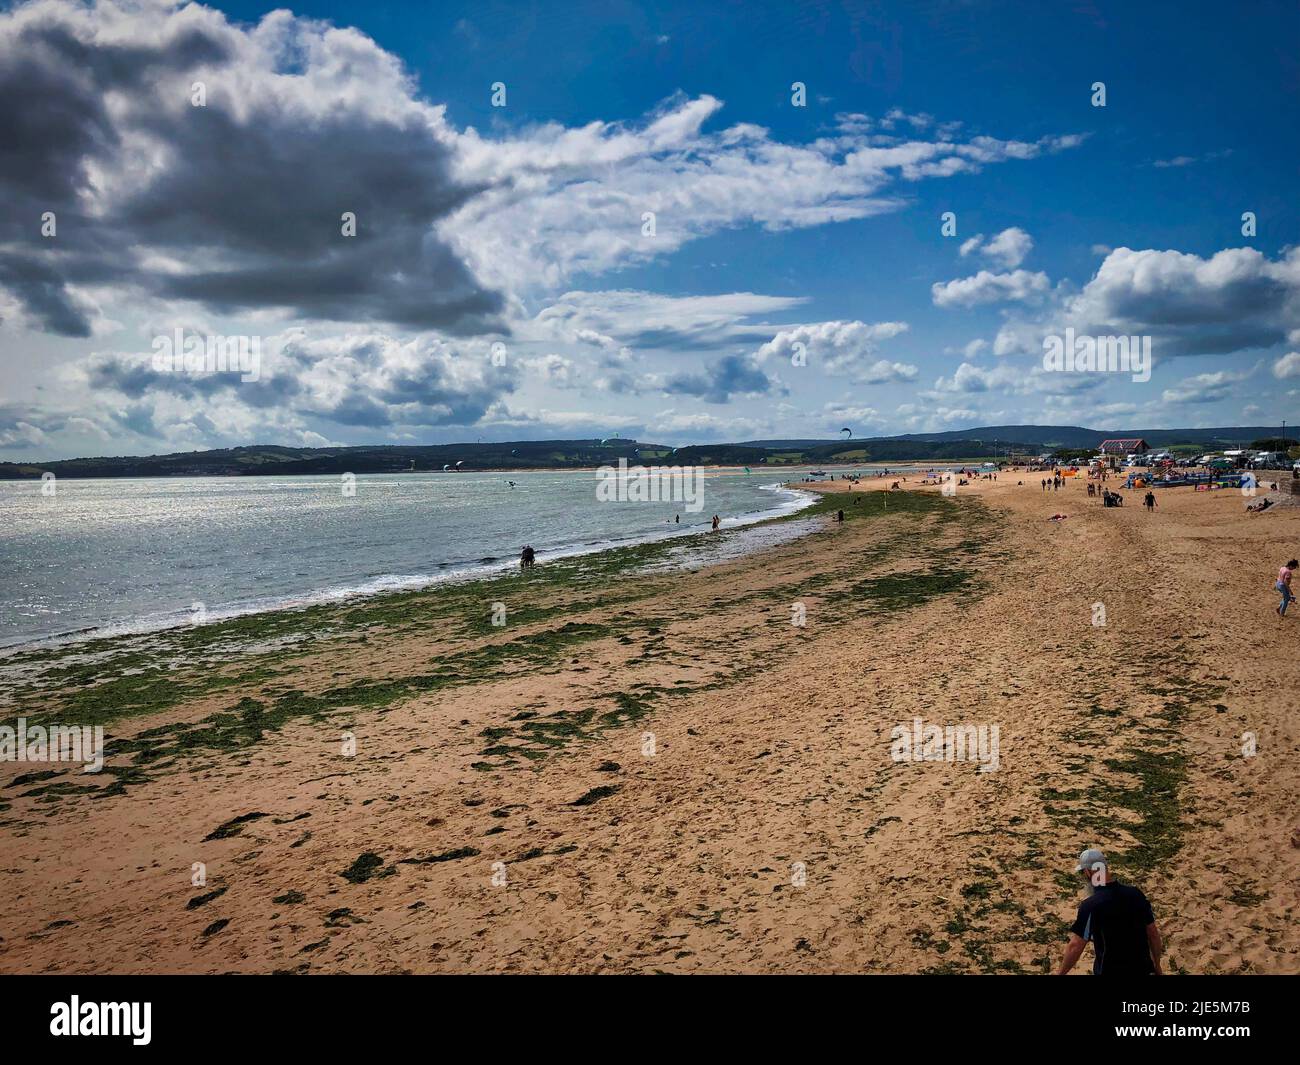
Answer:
(1283, 585)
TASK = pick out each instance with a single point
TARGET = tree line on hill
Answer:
(999, 442)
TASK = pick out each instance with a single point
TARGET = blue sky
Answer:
(501, 284)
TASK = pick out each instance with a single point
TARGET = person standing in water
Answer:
(716, 522)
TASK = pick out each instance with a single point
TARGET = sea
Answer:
(102, 557)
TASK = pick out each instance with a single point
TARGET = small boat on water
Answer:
(817, 473)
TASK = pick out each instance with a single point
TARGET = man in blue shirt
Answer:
(1117, 919)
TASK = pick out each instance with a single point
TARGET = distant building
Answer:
(1134, 445)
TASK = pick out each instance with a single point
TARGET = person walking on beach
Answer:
(1117, 920)
(1150, 501)
(1283, 585)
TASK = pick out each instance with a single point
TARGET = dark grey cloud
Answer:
(371, 381)
(138, 418)
(730, 375)
(245, 195)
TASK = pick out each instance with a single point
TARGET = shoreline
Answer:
(389, 584)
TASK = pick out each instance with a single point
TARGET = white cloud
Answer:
(1011, 379)
(648, 320)
(672, 421)
(1188, 160)
(1235, 300)
(1287, 366)
(986, 287)
(567, 201)
(842, 348)
(554, 370)
(1007, 249)
(842, 415)
(1203, 388)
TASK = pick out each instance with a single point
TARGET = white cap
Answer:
(1088, 859)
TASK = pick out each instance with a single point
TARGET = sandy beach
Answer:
(651, 769)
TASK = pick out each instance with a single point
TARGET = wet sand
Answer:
(652, 770)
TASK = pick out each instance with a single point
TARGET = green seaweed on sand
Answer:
(367, 866)
(233, 827)
(596, 794)
(203, 900)
(446, 856)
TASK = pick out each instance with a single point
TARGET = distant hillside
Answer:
(286, 461)
(1077, 436)
(984, 442)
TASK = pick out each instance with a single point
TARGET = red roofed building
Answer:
(1123, 446)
